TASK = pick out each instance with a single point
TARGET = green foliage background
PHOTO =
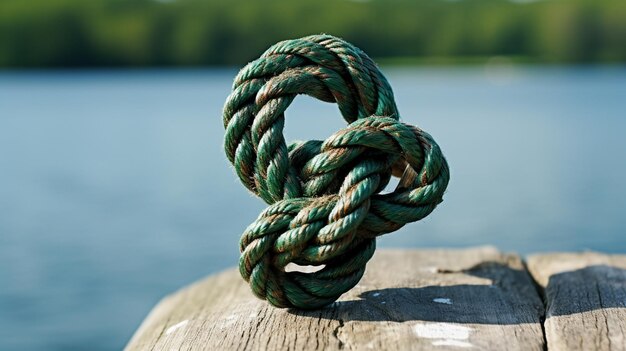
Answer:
(66, 33)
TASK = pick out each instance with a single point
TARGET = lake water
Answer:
(115, 190)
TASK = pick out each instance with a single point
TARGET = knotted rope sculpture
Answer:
(325, 202)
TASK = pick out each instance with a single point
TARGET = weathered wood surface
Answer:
(585, 296)
(407, 300)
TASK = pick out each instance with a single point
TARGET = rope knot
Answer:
(326, 206)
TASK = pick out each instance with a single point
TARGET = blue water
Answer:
(114, 189)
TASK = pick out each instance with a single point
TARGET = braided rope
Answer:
(324, 196)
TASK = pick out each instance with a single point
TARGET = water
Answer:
(115, 190)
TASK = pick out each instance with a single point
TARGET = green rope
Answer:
(325, 202)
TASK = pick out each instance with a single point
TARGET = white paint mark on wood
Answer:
(443, 300)
(442, 331)
(430, 269)
(229, 321)
(176, 327)
(447, 334)
(452, 342)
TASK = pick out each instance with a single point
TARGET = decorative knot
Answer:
(326, 206)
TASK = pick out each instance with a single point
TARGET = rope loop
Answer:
(325, 202)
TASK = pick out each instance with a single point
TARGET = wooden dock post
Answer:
(475, 298)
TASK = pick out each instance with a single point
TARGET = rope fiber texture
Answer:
(325, 202)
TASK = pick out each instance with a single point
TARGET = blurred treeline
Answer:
(54, 33)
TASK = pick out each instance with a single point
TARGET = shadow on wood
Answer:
(464, 303)
(606, 289)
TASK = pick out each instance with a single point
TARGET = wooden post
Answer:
(585, 296)
(408, 300)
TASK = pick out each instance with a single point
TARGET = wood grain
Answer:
(585, 295)
(407, 300)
